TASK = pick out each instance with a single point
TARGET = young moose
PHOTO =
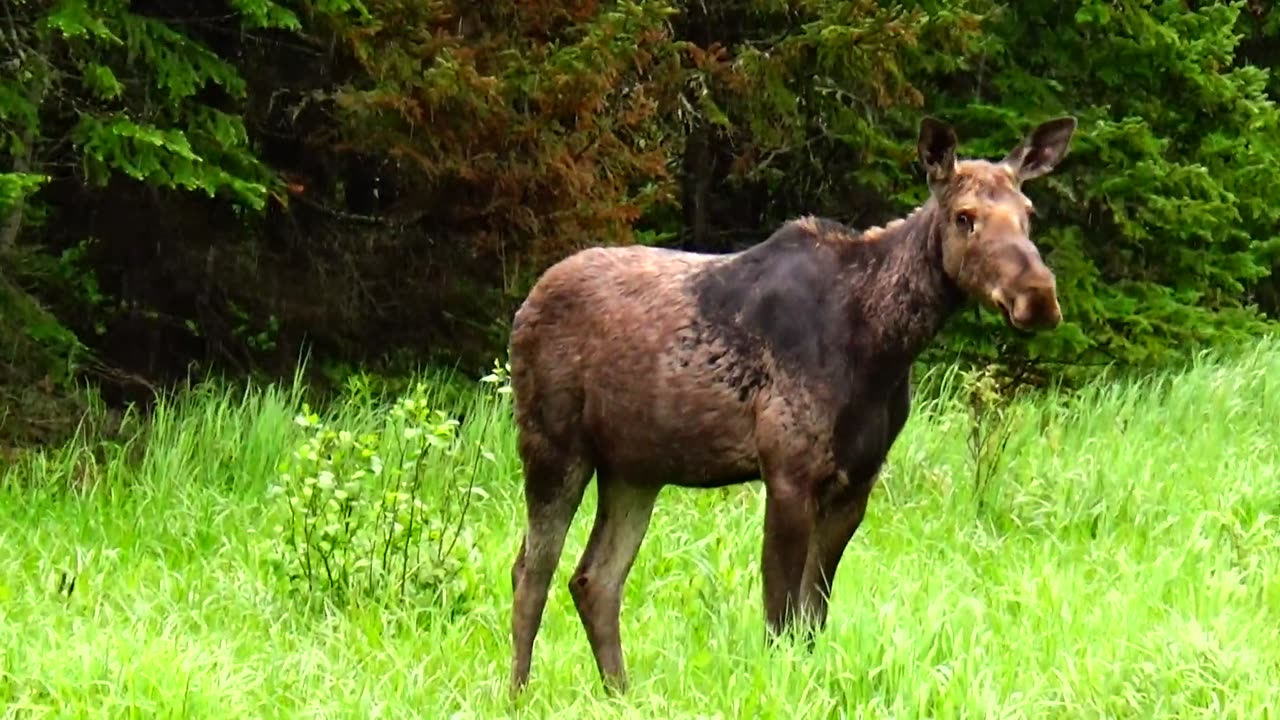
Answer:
(787, 362)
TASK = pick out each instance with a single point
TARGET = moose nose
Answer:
(1036, 310)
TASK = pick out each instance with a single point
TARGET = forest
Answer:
(224, 187)
(251, 246)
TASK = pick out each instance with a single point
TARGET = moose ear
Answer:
(936, 147)
(1041, 151)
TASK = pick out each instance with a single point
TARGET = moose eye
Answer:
(964, 221)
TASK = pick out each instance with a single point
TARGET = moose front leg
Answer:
(788, 527)
(870, 436)
(833, 530)
(793, 462)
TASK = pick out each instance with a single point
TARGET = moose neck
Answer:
(901, 296)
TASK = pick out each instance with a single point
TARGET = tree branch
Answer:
(22, 161)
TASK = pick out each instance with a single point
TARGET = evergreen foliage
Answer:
(230, 182)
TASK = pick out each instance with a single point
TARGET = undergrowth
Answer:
(1111, 552)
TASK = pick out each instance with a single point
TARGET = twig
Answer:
(365, 219)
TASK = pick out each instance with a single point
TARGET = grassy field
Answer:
(1122, 560)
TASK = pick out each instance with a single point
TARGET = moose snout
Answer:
(1031, 307)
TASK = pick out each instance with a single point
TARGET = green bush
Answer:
(375, 515)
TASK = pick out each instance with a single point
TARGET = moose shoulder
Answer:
(788, 362)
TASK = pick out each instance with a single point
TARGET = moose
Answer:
(787, 362)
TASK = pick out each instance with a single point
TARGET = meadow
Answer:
(1120, 558)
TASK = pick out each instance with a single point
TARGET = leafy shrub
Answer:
(379, 515)
(499, 377)
(993, 419)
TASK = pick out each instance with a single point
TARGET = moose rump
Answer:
(613, 368)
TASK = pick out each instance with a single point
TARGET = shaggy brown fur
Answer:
(789, 361)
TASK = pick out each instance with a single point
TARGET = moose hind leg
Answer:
(553, 492)
(622, 519)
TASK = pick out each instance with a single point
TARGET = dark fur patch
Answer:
(821, 301)
(782, 295)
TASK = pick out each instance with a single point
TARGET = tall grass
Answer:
(1123, 560)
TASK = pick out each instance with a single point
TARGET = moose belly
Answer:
(672, 432)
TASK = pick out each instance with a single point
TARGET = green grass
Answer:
(1123, 562)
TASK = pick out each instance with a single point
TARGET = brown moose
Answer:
(787, 362)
